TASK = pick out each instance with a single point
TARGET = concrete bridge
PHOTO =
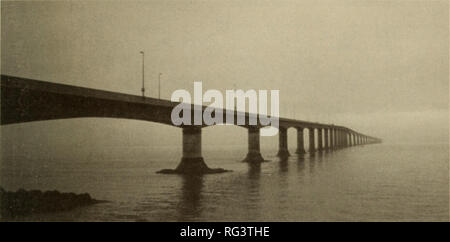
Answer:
(27, 100)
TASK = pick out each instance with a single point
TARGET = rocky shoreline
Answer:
(22, 202)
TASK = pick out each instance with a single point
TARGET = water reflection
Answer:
(252, 196)
(190, 202)
(254, 170)
(320, 153)
(301, 157)
(319, 158)
(253, 183)
(301, 163)
(312, 163)
(283, 165)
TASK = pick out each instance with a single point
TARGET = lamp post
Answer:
(235, 99)
(159, 85)
(143, 87)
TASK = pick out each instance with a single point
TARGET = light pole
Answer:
(143, 87)
(235, 99)
(159, 85)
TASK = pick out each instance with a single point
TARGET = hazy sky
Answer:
(379, 67)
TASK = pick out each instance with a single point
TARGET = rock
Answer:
(22, 202)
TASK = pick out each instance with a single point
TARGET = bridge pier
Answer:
(312, 146)
(300, 143)
(332, 142)
(192, 161)
(346, 142)
(327, 144)
(283, 151)
(350, 139)
(254, 153)
(347, 138)
(319, 139)
(337, 138)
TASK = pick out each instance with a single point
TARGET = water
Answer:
(379, 182)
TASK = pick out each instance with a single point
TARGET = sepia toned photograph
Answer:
(224, 111)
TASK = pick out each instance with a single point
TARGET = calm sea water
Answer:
(379, 182)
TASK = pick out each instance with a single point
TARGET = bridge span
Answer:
(27, 100)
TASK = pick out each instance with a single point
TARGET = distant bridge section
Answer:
(27, 100)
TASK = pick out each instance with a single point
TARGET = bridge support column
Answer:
(332, 143)
(338, 138)
(319, 139)
(254, 153)
(300, 143)
(283, 143)
(350, 139)
(327, 144)
(312, 146)
(192, 161)
(347, 138)
(339, 133)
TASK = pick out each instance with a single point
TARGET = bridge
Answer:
(27, 100)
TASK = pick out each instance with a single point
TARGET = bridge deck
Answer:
(25, 84)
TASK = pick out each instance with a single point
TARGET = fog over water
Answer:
(378, 67)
